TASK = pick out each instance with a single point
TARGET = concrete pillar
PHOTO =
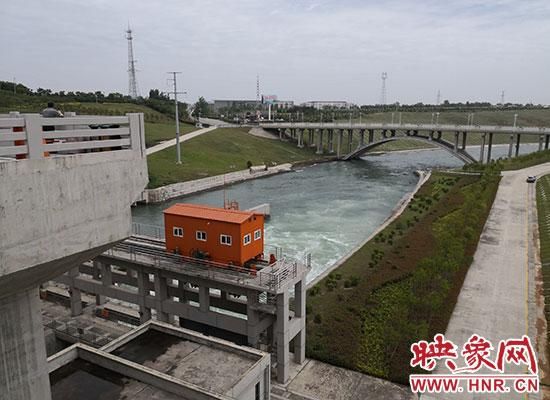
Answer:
(75, 296)
(339, 142)
(489, 147)
(282, 336)
(281, 130)
(431, 135)
(106, 275)
(482, 149)
(547, 142)
(300, 312)
(518, 140)
(511, 146)
(96, 275)
(464, 140)
(350, 139)
(143, 282)
(204, 298)
(456, 141)
(23, 366)
(371, 135)
(161, 294)
(319, 141)
(252, 318)
(439, 133)
(300, 138)
(541, 140)
(361, 138)
(311, 141)
(330, 141)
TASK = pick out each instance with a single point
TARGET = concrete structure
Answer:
(321, 104)
(161, 361)
(363, 137)
(250, 307)
(57, 211)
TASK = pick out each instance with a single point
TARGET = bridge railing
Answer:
(33, 136)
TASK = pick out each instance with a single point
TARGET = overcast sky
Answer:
(302, 50)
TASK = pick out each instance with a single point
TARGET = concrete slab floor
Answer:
(320, 381)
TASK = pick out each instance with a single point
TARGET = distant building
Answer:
(253, 104)
(327, 104)
(239, 104)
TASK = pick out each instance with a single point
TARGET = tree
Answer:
(201, 107)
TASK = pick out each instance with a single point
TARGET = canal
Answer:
(329, 208)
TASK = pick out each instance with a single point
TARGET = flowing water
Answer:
(326, 209)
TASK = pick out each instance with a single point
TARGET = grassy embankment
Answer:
(218, 152)
(401, 286)
(543, 211)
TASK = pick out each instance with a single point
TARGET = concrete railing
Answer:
(33, 136)
(530, 130)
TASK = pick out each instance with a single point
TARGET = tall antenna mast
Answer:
(383, 94)
(438, 102)
(258, 88)
(132, 83)
(502, 98)
(175, 93)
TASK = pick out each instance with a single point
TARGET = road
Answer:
(497, 299)
(172, 142)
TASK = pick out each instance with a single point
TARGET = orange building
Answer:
(217, 234)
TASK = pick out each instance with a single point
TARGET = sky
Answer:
(469, 50)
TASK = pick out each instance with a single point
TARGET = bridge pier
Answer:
(330, 141)
(511, 146)
(482, 149)
(361, 138)
(350, 140)
(431, 135)
(319, 141)
(439, 133)
(311, 140)
(547, 142)
(541, 141)
(489, 147)
(457, 134)
(464, 140)
(339, 144)
(371, 135)
(518, 140)
(281, 130)
(300, 138)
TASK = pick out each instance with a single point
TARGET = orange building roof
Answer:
(210, 213)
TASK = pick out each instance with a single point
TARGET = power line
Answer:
(175, 93)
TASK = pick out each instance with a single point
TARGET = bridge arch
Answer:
(461, 154)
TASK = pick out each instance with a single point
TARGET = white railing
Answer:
(33, 136)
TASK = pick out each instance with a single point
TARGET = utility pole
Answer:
(175, 93)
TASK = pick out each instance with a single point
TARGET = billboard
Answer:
(269, 98)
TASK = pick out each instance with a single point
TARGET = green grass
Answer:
(161, 131)
(221, 151)
(401, 286)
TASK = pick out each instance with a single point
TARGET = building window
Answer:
(257, 234)
(225, 239)
(177, 231)
(201, 235)
(246, 239)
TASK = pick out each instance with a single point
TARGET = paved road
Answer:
(183, 138)
(497, 299)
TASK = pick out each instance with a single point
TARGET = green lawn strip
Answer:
(160, 131)
(543, 211)
(401, 286)
(221, 151)
(509, 164)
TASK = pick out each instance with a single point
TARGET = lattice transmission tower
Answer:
(383, 94)
(132, 82)
(258, 88)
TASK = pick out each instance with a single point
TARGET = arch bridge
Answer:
(353, 140)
